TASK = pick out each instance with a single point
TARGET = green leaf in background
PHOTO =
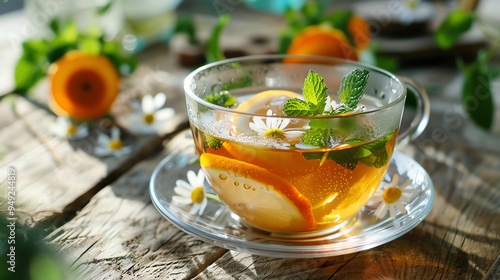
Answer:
(68, 34)
(213, 50)
(185, 24)
(452, 27)
(477, 97)
(285, 39)
(340, 20)
(45, 267)
(89, 46)
(104, 8)
(27, 74)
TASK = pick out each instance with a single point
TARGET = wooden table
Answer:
(98, 215)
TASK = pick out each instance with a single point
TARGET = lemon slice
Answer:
(261, 198)
(269, 99)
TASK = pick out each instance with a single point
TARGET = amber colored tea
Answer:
(292, 187)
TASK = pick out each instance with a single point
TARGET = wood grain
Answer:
(121, 234)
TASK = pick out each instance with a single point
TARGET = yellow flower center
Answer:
(149, 118)
(197, 195)
(275, 133)
(392, 195)
(71, 130)
(115, 144)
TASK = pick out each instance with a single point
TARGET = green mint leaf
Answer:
(213, 142)
(373, 154)
(477, 97)
(353, 87)
(223, 98)
(213, 50)
(455, 24)
(317, 137)
(296, 107)
(314, 92)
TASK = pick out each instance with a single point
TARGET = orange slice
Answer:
(261, 198)
(321, 40)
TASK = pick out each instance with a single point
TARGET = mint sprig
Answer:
(351, 90)
(315, 94)
(353, 87)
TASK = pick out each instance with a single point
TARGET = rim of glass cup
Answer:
(267, 57)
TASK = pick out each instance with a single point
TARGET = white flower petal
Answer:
(400, 207)
(260, 123)
(115, 133)
(203, 205)
(191, 176)
(395, 180)
(200, 179)
(159, 100)
(164, 114)
(147, 104)
(185, 185)
(284, 123)
(181, 200)
(392, 211)
(381, 210)
(406, 184)
(256, 128)
(182, 191)
(101, 151)
(195, 208)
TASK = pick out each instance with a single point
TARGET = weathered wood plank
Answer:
(52, 173)
(121, 234)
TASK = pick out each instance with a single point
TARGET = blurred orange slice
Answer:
(261, 198)
(322, 41)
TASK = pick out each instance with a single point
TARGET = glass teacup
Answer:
(295, 174)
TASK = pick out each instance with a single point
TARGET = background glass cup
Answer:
(291, 183)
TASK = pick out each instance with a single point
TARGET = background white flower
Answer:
(64, 128)
(392, 197)
(192, 192)
(107, 146)
(274, 127)
(150, 116)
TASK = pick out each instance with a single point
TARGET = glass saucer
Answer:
(217, 225)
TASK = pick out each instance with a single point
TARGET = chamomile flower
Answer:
(273, 127)
(393, 197)
(150, 116)
(107, 146)
(64, 128)
(191, 192)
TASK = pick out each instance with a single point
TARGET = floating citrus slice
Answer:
(261, 198)
(269, 99)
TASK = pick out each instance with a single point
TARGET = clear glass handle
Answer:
(421, 119)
